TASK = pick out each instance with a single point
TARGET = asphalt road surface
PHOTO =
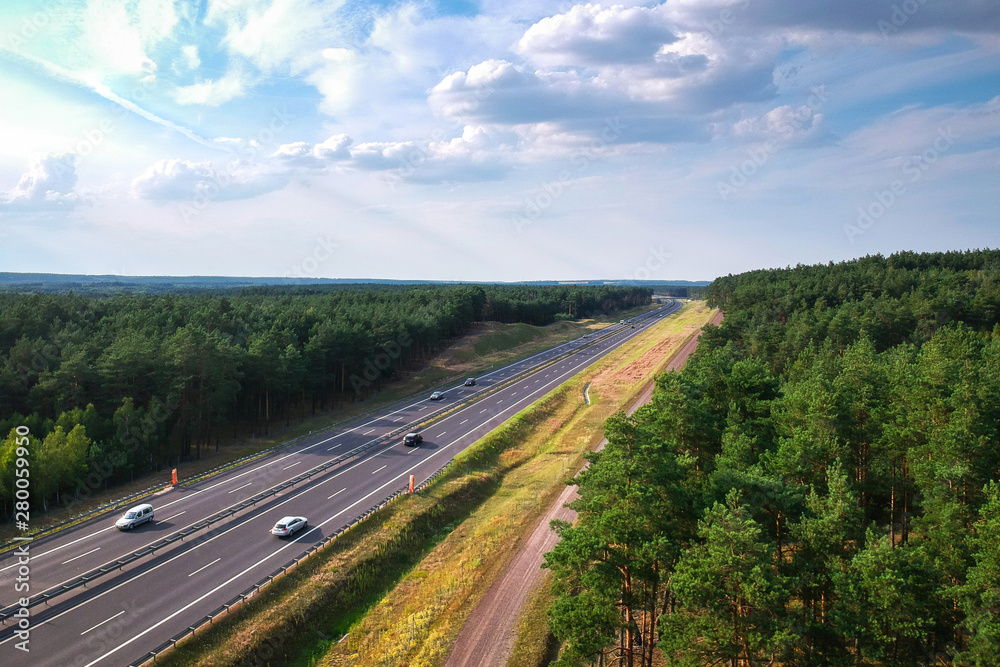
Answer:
(120, 616)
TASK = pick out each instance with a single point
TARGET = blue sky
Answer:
(493, 140)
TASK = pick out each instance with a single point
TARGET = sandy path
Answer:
(487, 638)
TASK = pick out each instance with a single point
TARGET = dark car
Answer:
(412, 439)
(471, 382)
(437, 395)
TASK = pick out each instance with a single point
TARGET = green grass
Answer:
(420, 565)
(535, 645)
(513, 335)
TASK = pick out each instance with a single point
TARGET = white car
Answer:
(289, 525)
(136, 516)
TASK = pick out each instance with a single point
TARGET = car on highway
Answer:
(412, 439)
(470, 382)
(437, 395)
(622, 322)
(135, 516)
(289, 525)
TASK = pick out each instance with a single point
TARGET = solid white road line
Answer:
(61, 546)
(244, 486)
(103, 622)
(81, 555)
(202, 568)
(259, 562)
(181, 610)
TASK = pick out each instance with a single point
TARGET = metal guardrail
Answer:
(253, 590)
(138, 495)
(227, 513)
(281, 571)
(231, 511)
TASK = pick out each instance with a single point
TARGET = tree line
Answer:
(817, 487)
(113, 386)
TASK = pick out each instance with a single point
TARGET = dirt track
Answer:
(487, 639)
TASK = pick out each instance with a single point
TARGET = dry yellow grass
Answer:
(417, 622)
(402, 583)
(459, 358)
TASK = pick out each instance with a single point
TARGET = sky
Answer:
(493, 141)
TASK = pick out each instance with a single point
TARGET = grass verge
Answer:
(398, 588)
(535, 646)
(501, 344)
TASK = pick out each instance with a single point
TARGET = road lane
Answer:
(160, 577)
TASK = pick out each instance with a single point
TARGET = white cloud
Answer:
(276, 34)
(173, 180)
(119, 36)
(337, 78)
(213, 92)
(592, 63)
(884, 18)
(594, 35)
(48, 183)
(190, 53)
(785, 125)
(314, 156)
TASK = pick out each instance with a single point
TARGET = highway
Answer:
(120, 616)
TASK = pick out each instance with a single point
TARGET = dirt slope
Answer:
(488, 637)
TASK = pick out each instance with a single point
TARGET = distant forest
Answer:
(817, 487)
(117, 386)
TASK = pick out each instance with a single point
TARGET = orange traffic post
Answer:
(411, 484)
(173, 476)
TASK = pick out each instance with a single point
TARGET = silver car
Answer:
(289, 525)
(136, 516)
